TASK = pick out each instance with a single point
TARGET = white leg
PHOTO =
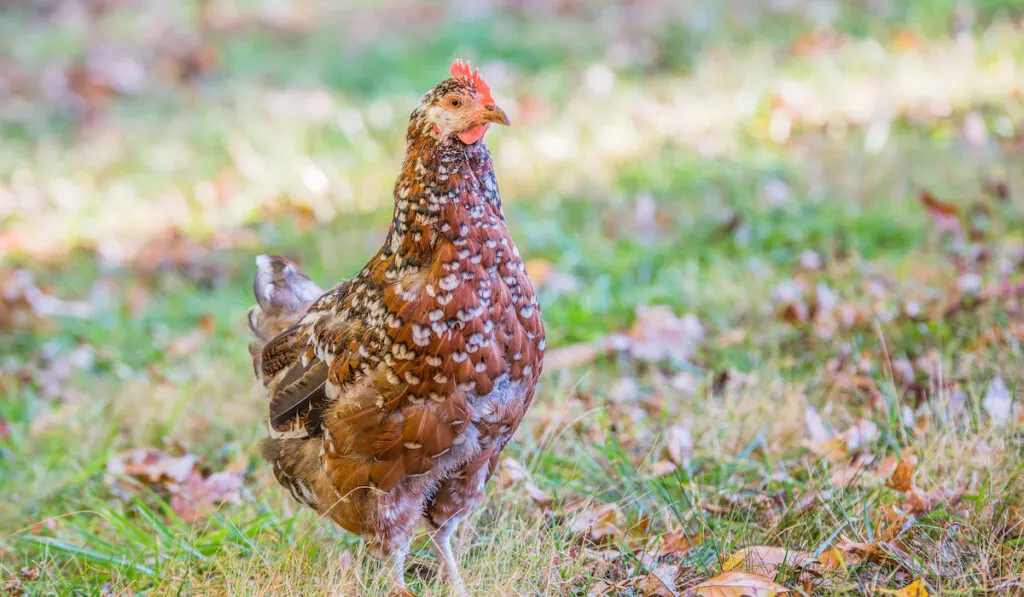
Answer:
(396, 569)
(441, 542)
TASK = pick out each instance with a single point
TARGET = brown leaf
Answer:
(871, 552)
(717, 508)
(192, 494)
(663, 468)
(738, 584)
(836, 558)
(902, 478)
(679, 542)
(661, 582)
(919, 503)
(945, 216)
(769, 560)
(199, 495)
(597, 525)
(13, 587)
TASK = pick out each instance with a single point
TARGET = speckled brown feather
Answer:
(432, 352)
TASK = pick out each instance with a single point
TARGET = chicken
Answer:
(393, 394)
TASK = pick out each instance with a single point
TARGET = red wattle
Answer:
(473, 133)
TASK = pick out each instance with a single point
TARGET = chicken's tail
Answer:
(283, 295)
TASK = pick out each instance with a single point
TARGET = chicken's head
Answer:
(461, 106)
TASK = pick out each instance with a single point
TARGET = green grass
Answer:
(291, 146)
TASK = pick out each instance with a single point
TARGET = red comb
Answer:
(461, 69)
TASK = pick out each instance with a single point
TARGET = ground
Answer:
(779, 252)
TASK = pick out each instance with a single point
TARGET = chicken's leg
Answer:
(441, 542)
(396, 573)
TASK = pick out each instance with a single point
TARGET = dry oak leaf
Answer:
(902, 478)
(871, 552)
(770, 560)
(919, 503)
(738, 584)
(661, 582)
(914, 589)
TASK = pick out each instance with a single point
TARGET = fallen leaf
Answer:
(540, 497)
(998, 403)
(151, 465)
(679, 444)
(788, 298)
(199, 495)
(919, 503)
(717, 508)
(663, 468)
(661, 582)
(192, 494)
(836, 558)
(512, 472)
(914, 589)
(902, 478)
(815, 426)
(658, 334)
(871, 552)
(738, 584)
(945, 216)
(839, 447)
(13, 587)
(679, 542)
(597, 525)
(769, 560)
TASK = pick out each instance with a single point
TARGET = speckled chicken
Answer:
(393, 394)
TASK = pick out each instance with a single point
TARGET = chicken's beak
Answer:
(493, 113)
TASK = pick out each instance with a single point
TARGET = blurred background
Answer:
(707, 193)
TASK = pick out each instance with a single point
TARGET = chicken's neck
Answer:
(445, 190)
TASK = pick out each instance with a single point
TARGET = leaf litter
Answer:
(192, 493)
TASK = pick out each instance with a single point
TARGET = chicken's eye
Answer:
(455, 102)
